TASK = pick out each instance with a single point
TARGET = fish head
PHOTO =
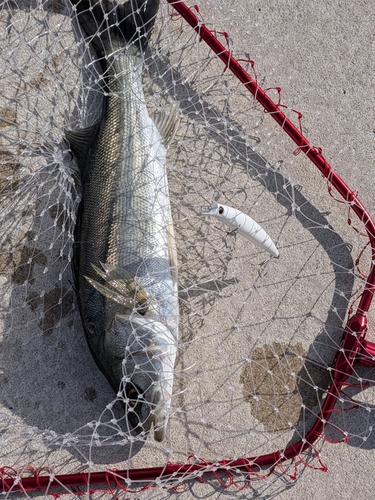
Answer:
(143, 353)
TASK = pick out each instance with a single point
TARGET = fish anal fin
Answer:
(80, 141)
(166, 124)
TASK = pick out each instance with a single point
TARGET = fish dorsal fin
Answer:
(166, 123)
(80, 141)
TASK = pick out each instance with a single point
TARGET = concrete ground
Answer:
(257, 335)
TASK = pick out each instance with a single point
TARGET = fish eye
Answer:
(221, 210)
(132, 394)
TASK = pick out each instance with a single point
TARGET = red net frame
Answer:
(354, 345)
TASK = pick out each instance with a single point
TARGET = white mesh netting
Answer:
(257, 335)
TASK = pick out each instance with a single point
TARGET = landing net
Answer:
(273, 359)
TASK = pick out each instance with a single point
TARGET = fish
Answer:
(125, 259)
(244, 224)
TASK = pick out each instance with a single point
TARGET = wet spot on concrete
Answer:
(40, 81)
(90, 394)
(8, 116)
(9, 166)
(33, 300)
(18, 263)
(23, 262)
(57, 6)
(58, 214)
(57, 304)
(45, 77)
(277, 380)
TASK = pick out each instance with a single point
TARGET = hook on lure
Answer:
(243, 224)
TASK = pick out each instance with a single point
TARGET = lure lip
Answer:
(211, 210)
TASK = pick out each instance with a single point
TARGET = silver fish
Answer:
(125, 258)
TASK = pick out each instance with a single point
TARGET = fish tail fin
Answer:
(105, 22)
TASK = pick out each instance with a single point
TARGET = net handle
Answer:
(353, 340)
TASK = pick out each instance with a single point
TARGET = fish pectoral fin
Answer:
(125, 283)
(80, 141)
(122, 288)
(166, 123)
(110, 294)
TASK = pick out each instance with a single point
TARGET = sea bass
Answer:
(125, 259)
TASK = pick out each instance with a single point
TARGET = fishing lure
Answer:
(243, 224)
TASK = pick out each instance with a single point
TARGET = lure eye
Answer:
(221, 210)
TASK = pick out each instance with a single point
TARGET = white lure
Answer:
(244, 225)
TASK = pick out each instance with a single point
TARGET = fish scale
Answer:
(127, 189)
(123, 232)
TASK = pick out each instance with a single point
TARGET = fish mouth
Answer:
(160, 424)
(159, 414)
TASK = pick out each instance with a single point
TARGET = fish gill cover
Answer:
(257, 335)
